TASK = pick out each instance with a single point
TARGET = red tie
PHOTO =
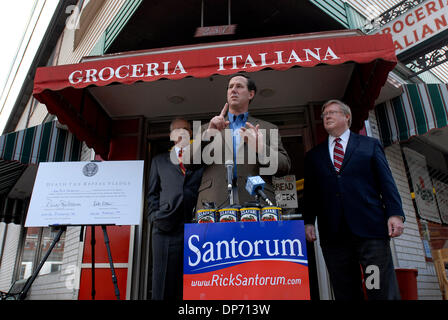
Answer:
(338, 155)
(181, 165)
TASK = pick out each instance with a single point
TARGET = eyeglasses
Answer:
(329, 113)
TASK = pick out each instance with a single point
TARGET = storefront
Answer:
(417, 122)
(121, 106)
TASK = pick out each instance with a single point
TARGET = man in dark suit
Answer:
(240, 138)
(350, 189)
(171, 198)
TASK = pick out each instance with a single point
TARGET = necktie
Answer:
(181, 165)
(338, 155)
(236, 123)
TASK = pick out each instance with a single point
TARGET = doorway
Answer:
(296, 132)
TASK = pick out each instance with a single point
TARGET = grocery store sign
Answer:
(245, 260)
(419, 24)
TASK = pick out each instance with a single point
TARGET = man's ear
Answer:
(251, 94)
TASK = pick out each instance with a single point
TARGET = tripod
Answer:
(22, 295)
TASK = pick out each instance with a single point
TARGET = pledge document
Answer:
(87, 193)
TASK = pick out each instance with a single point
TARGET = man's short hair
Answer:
(179, 119)
(344, 108)
(251, 86)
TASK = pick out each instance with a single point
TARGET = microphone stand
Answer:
(230, 184)
(231, 196)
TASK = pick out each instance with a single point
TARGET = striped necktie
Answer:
(338, 155)
(181, 165)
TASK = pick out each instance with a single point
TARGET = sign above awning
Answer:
(421, 108)
(69, 91)
(43, 143)
(418, 24)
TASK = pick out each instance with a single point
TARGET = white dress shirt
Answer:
(177, 150)
(344, 141)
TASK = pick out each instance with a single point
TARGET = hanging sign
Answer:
(215, 30)
(246, 261)
(285, 191)
(418, 24)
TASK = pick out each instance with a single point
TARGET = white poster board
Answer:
(87, 193)
(285, 191)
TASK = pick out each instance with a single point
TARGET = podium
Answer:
(264, 260)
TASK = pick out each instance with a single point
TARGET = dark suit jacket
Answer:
(363, 193)
(214, 184)
(171, 195)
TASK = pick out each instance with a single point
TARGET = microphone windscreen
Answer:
(253, 183)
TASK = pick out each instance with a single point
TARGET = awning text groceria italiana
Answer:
(233, 62)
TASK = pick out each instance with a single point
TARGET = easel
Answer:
(56, 239)
(109, 254)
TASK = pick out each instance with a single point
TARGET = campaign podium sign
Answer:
(246, 261)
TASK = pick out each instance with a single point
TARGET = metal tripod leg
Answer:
(92, 246)
(109, 253)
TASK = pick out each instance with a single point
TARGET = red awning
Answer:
(69, 90)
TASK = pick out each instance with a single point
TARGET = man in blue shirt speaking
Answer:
(254, 147)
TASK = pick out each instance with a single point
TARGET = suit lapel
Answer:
(325, 156)
(351, 146)
(353, 142)
(252, 120)
(168, 160)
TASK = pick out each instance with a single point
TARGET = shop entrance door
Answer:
(295, 130)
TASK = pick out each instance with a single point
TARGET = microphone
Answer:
(229, 167)
(255, 186)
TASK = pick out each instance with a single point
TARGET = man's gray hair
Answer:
(344, 108)
(178, 119)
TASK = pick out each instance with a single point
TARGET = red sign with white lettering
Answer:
(418, 24)
(200, 61)
(246, 261)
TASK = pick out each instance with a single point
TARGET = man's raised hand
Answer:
(253, 137)
(219, 122)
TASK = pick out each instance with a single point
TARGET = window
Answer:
(36, 244)
(85, 16)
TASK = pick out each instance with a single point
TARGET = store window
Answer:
(37, 242)
(82, 16)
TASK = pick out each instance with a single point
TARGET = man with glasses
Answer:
(349, 188)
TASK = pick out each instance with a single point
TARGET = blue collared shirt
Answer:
(236, 123)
